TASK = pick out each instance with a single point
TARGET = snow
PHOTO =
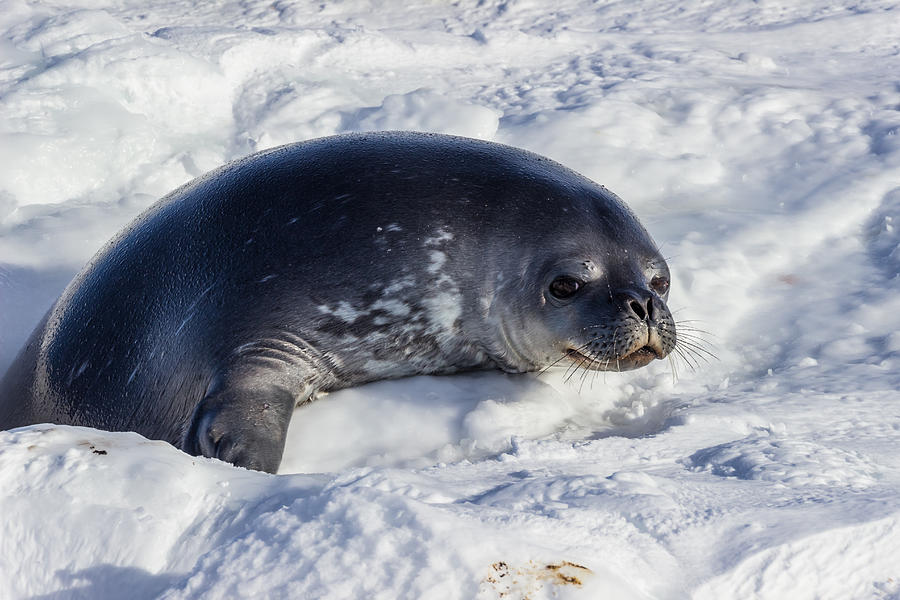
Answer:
(758, 142)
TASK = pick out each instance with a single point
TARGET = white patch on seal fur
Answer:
(438, 259)
(348, 313)
(444, 307)
(344, 311)
(384, 367)
(399, 284)
(441, 235)
(394, 307)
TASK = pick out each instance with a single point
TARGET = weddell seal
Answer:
(331, 263)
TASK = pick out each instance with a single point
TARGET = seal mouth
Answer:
(646, 352)
(575, 355)
(632, 360)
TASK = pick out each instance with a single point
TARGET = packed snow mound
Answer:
(176, 526)
(788, 461)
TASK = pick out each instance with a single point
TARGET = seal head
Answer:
(594, 297)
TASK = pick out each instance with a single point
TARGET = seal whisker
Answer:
(701, 353)
(615, 352)
(683, 321)
(693, 341)
(586, 356)
(690, 335)
(575, 367)
(699, 332)
(587, 370)
(574, 364)
(700, 339)
(695, 353)
(553, 364)
(689, 325)
(673, 367)
(618, 364)
(697, 348)
(688, 360)
(695, 358)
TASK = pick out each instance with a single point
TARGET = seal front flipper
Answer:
(243, 420)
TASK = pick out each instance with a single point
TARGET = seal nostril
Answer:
(638, 309)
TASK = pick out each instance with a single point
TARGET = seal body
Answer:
(332, 263)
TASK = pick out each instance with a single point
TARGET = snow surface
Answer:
(757, 141)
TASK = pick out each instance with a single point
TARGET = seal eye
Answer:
(564, 287)
(660, 285)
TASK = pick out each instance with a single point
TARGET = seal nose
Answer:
(640, 305)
